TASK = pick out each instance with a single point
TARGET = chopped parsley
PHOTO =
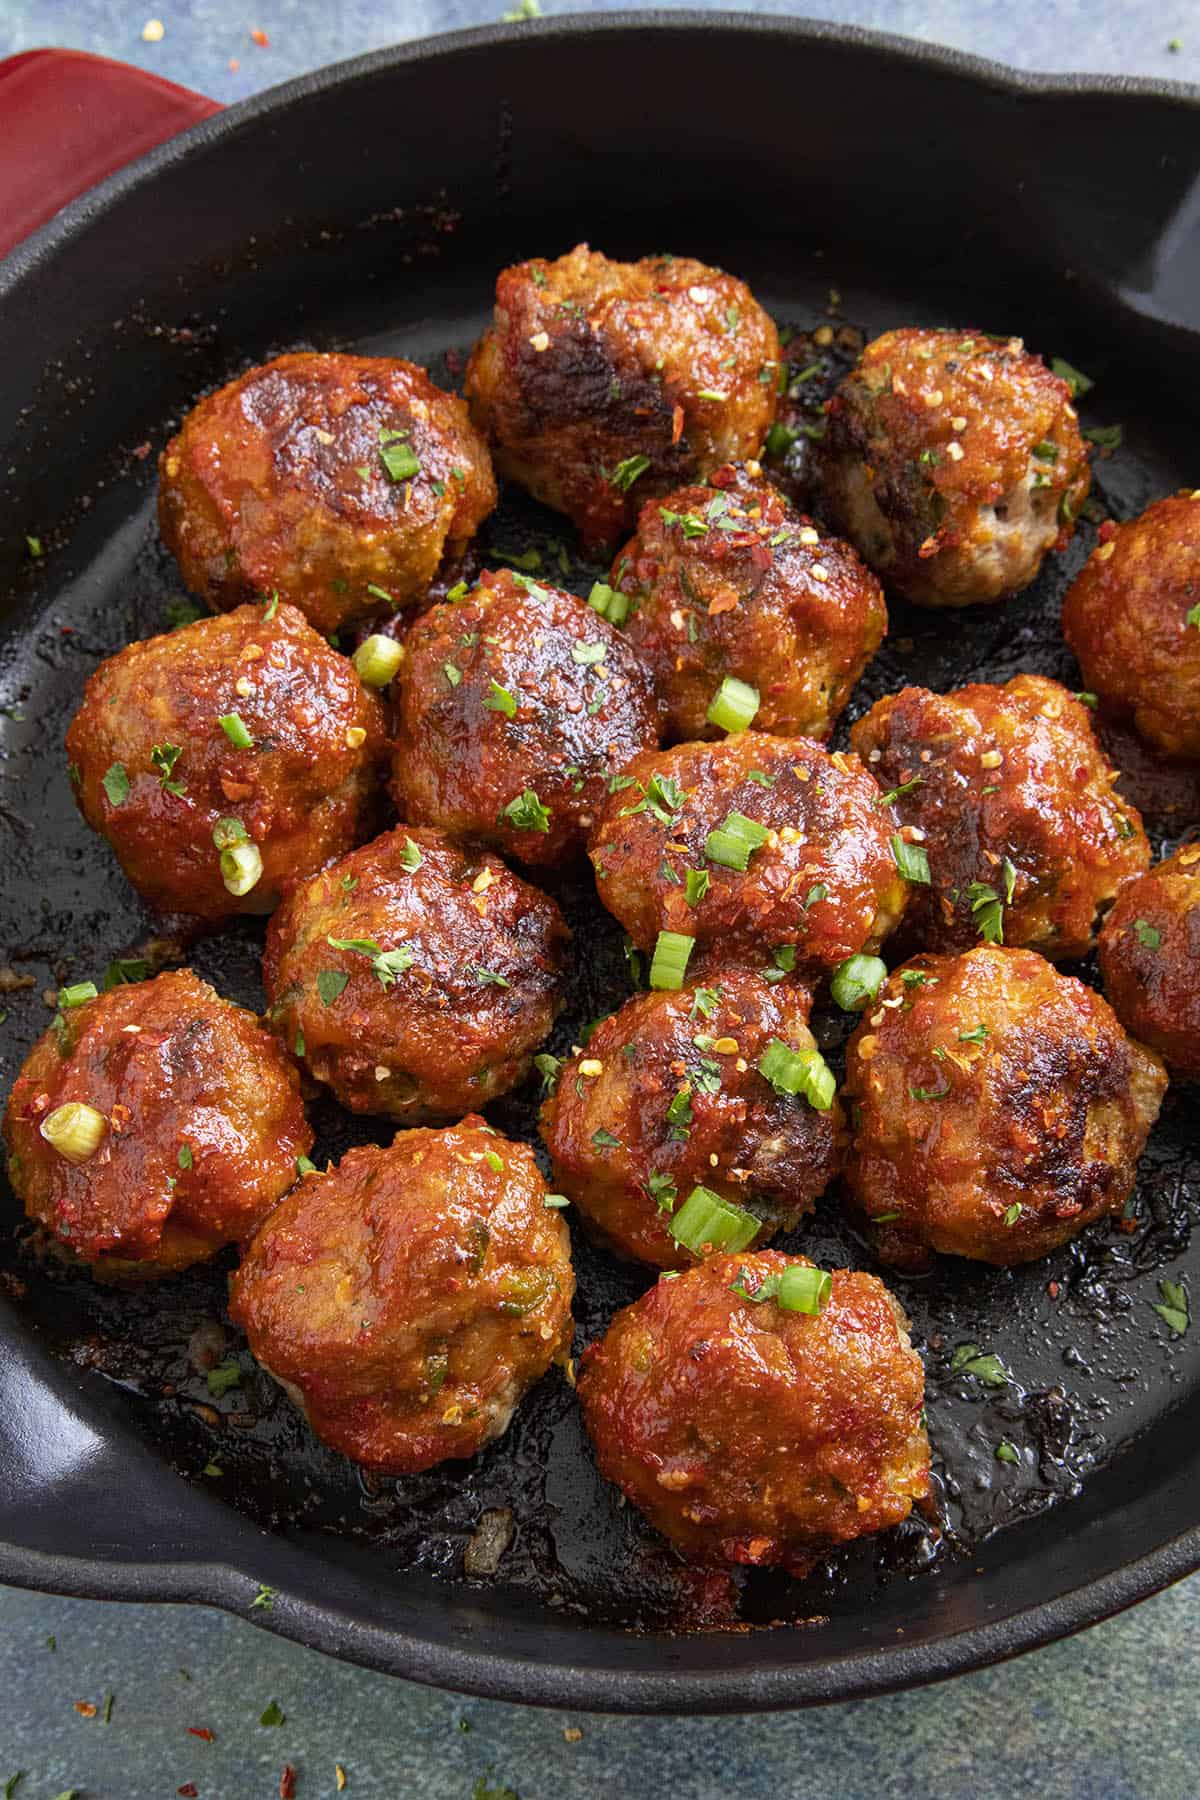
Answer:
(387, 964)
(1148, 935)
(410, 858)
(898, 793)
(627, 472)
(1173, 1309)
(400, 462)
(663, 1192)
(330, 983)
(604, 1140)
(115, 783)
(526, 813)
(498, 699)
(226, 1375)
(164, 757)
(969, 1359)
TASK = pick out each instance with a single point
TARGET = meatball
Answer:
(338, 482)
(1150, 959)
(759, 848)
(668, 1096)
(748, 1432)
(1132, 617)
(1012, 799)
(409, 1297)
(730, 581)
(518, 703)
(996, 1108)
(601, 383)
(415, 978)
(954, 462)
(226, 758)
(152, 1125)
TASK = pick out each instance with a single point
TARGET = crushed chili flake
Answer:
(188, 1791)
(260, 37)
(234, 65)
(1052, 1289)
(85, 1709)
(201, 1731)
(287, 1783)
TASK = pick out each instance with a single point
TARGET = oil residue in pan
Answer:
(1058, 1366)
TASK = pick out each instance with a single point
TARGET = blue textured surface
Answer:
(1108, 1716)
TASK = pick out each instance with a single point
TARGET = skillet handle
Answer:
(70, 119)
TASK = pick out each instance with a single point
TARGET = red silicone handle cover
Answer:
(70, 119)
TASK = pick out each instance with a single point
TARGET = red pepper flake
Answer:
(66, 631)
(287, 1783)
(1107, 530)
(141, 451)
(188, 1791)
(234, 65)
(85, 1709)
(260, 38)
(1052, 1289)
(202, 1732)
(676, 424)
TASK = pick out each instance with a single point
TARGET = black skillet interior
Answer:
(370, 209)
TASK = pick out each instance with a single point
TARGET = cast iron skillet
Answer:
(370, 206)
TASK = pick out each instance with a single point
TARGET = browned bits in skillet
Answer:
(822, 886)
(954, 462)
(279, 482)
(157, 773)
(1132, 617)
(601, 383)
(996, 1108)
(453, 979)
(408, 1298)
(193, 1128)
(1025, 834)
(674, 1078)
(730, 580)
(751, 1434)
(1150, 959)
(517, 704)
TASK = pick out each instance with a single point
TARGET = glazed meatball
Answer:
(996, 1108)
(751, 1433)
(518, 703)
(1150, 959)
(152, 1125)
(1132, 617)
(409, 1297)
(601, 383)
(338, 482)
(730, 581)
(1013, 802)
(668, 1095)
(415, 978)
(226, 758)
(760, 848)
(954, 462)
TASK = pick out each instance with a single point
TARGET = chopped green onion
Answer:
(793, 1072)
(78, 995)
(705, 1221)
(1105, 437)
(498, 699)
(1012, 1213)
(235, 730)
(733, 842)
(125, 971)
(733, 705)
(452, 672)
(911, 860)
(1046, 451)
(526, 813)
(75, 1130)
(780, 439)
(271, 607)
(609, 602)
(627, 472)
(670, 960)
(586, 654)
(399, 461)
(1076, 380)
(898, 793)
(226, 1375)
(1006, 1452)
(305, 1166)
(241, 868)
(556, 1201)
(697, 886)
(803, 1289)
(857, 980)
(228, 832)
(115, 783)
(549, 1068)
(377, 659)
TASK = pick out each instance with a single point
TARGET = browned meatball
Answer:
(518, 703)
(1132, 617)
(748, 1432)
(996, 1108)
(954, 462)
(408, 1298)
(819, 879)
(729, 580)
(338, 482)
(152, 1125)
(414, 977)
(1150, 959)
(1013, 802)
(668, 1095)
(244, 734)
(602, 383)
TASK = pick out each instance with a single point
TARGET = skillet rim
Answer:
(478, 1668)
